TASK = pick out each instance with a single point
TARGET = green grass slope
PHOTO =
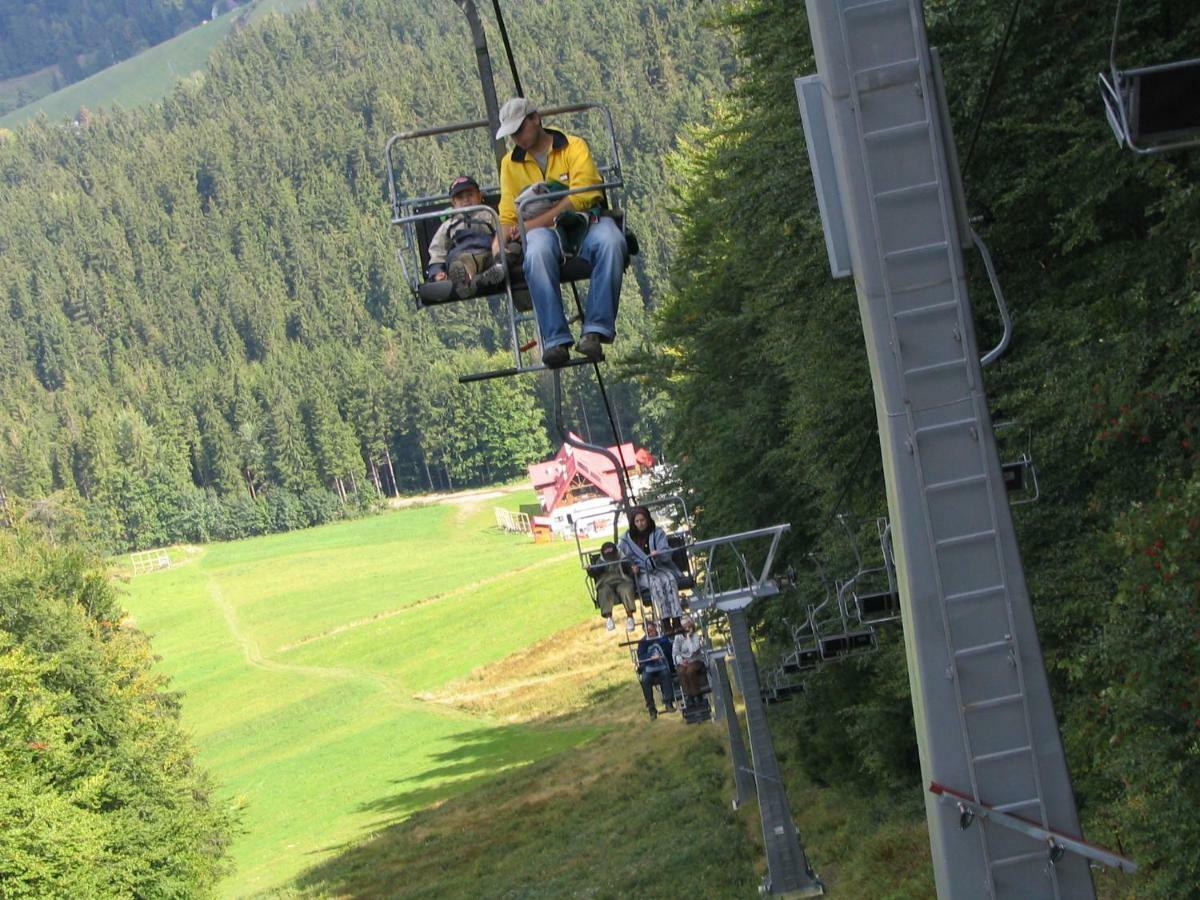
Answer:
(300, 655)
(149, 76)
(418, 705)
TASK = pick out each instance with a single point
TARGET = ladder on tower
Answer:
(923, 285)
(987, 719)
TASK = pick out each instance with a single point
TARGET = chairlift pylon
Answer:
(1155, 108)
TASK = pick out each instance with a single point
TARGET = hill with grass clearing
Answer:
(141, 79)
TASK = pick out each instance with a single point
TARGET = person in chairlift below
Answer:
(688, 653)
(654, 667)
(465, 246)
(613, 583)
(546, 155)
(645, 546)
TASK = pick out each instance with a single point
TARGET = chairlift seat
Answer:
(881, 606)
(679, 556)
(1164, 102)
(803, 660)
(782, 692)
(1014, 475)
(437, 293)
(835, 646)
(1154, 108)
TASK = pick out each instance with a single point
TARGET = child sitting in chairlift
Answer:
(465, 246)
(613, 582)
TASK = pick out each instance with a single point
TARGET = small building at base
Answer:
(577, 488)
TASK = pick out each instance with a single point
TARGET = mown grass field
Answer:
(300, 656)
(149, 76)
(418, 705)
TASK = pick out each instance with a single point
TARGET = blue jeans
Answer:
(604, 248)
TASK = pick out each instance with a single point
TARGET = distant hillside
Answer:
(82, 36)
(144, 78)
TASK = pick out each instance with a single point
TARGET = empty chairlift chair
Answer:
(1155, 108)
(875, 594)
(1014, 443)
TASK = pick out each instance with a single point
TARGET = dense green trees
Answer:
(202, 307)
(1098, 255)
(100, 795)
(84, 36)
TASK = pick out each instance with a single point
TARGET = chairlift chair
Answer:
(837, 633)
(1014, 444)
(418, 218)
(875, 594)
(1151, 109)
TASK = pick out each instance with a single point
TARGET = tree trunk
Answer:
(250, 484)
(428, 474)
(375, 478)
(387, 455)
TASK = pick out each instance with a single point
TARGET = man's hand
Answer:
(512, 233)
(548, 218)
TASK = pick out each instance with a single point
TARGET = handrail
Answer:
(996, 352)
(483, 123)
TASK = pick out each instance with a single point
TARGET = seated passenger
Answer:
(613, 583)
(654, 666)
(645, 546)
(544, 155)
(688, 652)
(465, 246)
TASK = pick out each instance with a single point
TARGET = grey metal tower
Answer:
(891, 203)
(731, 592)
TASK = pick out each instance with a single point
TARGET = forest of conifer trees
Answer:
(206, 335)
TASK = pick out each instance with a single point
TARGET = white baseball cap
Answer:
(512, 114)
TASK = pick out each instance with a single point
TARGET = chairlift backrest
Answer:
(427, 228)
(1154, 108)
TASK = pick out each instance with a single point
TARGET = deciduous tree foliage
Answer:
(1098, 253)
(100, 796)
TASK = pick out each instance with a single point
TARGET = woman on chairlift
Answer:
(645, 546)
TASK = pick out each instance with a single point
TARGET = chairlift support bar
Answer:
(1032, 829)
(566, 437)
(757, 585)
(487, 81)
(613, 167)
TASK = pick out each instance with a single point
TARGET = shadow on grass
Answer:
(478, 757)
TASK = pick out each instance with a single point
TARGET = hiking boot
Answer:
(461, 278)
(669, 707)
(491, 275)
(556, 357)
(630, 624)
(653, 713)
(589, 346)
(609, 623)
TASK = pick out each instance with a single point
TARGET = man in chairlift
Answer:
(654, 667)
(541, 155)
(465, 246)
